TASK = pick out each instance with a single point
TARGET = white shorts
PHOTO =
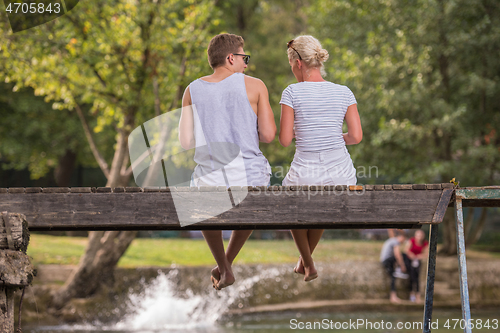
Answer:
(331, 167)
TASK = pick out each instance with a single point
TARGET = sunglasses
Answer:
(289, 45)
(246, 57)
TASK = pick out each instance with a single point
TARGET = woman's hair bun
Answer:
(322, 55)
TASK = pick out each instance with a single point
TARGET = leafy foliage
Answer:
(425, 75)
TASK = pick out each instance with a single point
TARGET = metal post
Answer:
(462, 266)
(431, 274)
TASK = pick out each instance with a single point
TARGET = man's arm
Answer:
(186, 123)
(399, 258)
(265, 116)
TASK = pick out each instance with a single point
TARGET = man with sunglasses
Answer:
(227, 106)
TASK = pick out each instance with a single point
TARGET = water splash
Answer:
(161, 308)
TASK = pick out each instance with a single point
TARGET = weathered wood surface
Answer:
(6, 310)
(14, 233)
(275, 207)
(15, 269)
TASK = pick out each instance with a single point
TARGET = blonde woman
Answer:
(313, 111)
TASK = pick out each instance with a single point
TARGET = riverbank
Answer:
(343, 286)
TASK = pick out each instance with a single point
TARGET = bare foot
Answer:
(215, 277)
(394, 299)
(226, 279)
(310, 273)
(418, 299)
(299, 269)
(218, 281)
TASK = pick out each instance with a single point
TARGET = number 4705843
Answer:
(472, 324)
(32, 8)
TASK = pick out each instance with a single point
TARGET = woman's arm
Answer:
(286, 125)
(186, 123)
(354, 133)
(424, 252)
(410, 254)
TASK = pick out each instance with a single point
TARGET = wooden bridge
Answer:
(402, 206)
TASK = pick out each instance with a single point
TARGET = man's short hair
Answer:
(222, 45)
(399, 232)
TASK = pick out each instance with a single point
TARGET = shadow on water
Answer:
(162, 309)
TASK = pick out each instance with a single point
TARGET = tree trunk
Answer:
(449, 247)
(104, 248)
(473, 236)
(62, 176)
(64, 170)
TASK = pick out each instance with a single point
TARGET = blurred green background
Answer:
(425, 75)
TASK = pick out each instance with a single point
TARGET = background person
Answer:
(234, 108)
(416, 250)
(389, 257)
(313, 111)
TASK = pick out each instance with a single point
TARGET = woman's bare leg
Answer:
(313, 236)
(302, 242)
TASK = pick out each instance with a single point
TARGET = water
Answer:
(160, 310)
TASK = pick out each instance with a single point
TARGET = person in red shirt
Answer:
(415, 250)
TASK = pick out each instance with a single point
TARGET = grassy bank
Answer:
(45, 249)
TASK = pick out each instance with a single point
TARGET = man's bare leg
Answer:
(302, 242)
(236, 242)
(214, 241)
(313, 236)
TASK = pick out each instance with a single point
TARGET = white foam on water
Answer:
(160, 309)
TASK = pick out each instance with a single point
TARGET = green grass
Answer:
(143, 252)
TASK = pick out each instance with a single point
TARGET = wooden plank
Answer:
(4, 190)
(379, 187)
(447, 185)
(56, 190)
(33, 190)
(14, 233)
(16, 190)
(8, 230)
(369, 187)
(133, 189)
(263, 210)
(419, 187)
(402, 186)
(80, 190)
(444, 201)
(356, 188)
(151, 189)
(388, 187)
(432, 186)
(16, 268)
(6, 310)
(103, 190)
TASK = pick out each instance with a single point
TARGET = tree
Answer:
(38, 138)
(425, 75)
(127, 61)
